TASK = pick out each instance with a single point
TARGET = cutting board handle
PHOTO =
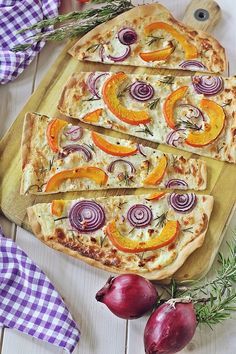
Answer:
(202, 14)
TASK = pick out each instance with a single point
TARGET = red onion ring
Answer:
(111, 167)
(182, 203)
(87, 216)
(92, 81)
(127, 36)
(139, 216)
(173, 138)
(122, 57)
(101, 53)
(140, 149)
(208, 85)
(192, 65)
(73, 148)
(74, 133)
(176, 183)
(141, 91)
(196, 112)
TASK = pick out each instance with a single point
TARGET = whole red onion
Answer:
(170, 328)
(128, 296)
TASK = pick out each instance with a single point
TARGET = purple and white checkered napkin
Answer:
(15, 15)
(29, 302)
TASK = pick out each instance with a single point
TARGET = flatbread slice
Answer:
(150, 235)
(150, 36)
(59, 157)
(196, 114)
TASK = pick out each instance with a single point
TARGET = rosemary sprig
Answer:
(219, 295)
(161, 219)
(188, 125)
(153, 39)
(90, 146)
(153, 104)
(145, 130)
(216, 310)
(122, 92)
(75, 23)
(61, 218)
(92, 48)
(93, 98)
(188, 229)
(169, 80)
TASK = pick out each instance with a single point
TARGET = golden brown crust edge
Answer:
(27, 133)
(145, 11)
(164, 273)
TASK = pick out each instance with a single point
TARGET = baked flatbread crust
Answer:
(74, 102)
(40, 163)
(210, 53)
(113, 260)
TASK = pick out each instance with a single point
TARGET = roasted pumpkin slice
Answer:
(57, 207)
(123, 243)
(158, 55)
(170, 103)
(156, 176)
(94, 173)
(189, 49)
(53, 133)
(112, 149)
(110, 95)
(93, 117)
(216, 115)
(156, 196)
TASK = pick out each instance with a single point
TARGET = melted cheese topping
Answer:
(43, 163)
(222, 148)
(96, 245)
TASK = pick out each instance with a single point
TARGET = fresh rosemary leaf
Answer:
(74, 24)
(145, 130)
(153, 104)
(153, 39)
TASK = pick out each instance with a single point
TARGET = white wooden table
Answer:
(102, 333)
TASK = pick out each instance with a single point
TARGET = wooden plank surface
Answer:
(206, 341)
(45, 99)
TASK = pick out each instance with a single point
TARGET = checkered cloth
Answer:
(28, 301)
(15, 15)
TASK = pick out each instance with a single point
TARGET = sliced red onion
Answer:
(102, 53)
(208, 85)
(74, 133)
(192, 65)
(127, 36)
(111, 167)
(195, 111)
(140, 149)
(176, 183)
(174, 137)
(73, 148)
(182, 203)
(92, 81)
(141, 91)
(139, 216)
(87, 216)
(121, 57)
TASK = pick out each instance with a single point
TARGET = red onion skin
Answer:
(170, 328)
(128, 296)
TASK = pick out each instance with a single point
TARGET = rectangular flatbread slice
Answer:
(196, 114)
(58, 157)
(150, 36)
(151, 235)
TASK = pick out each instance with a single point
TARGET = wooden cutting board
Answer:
(221, 176)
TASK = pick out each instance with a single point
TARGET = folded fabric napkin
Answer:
(15, 15)
(29, 302)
